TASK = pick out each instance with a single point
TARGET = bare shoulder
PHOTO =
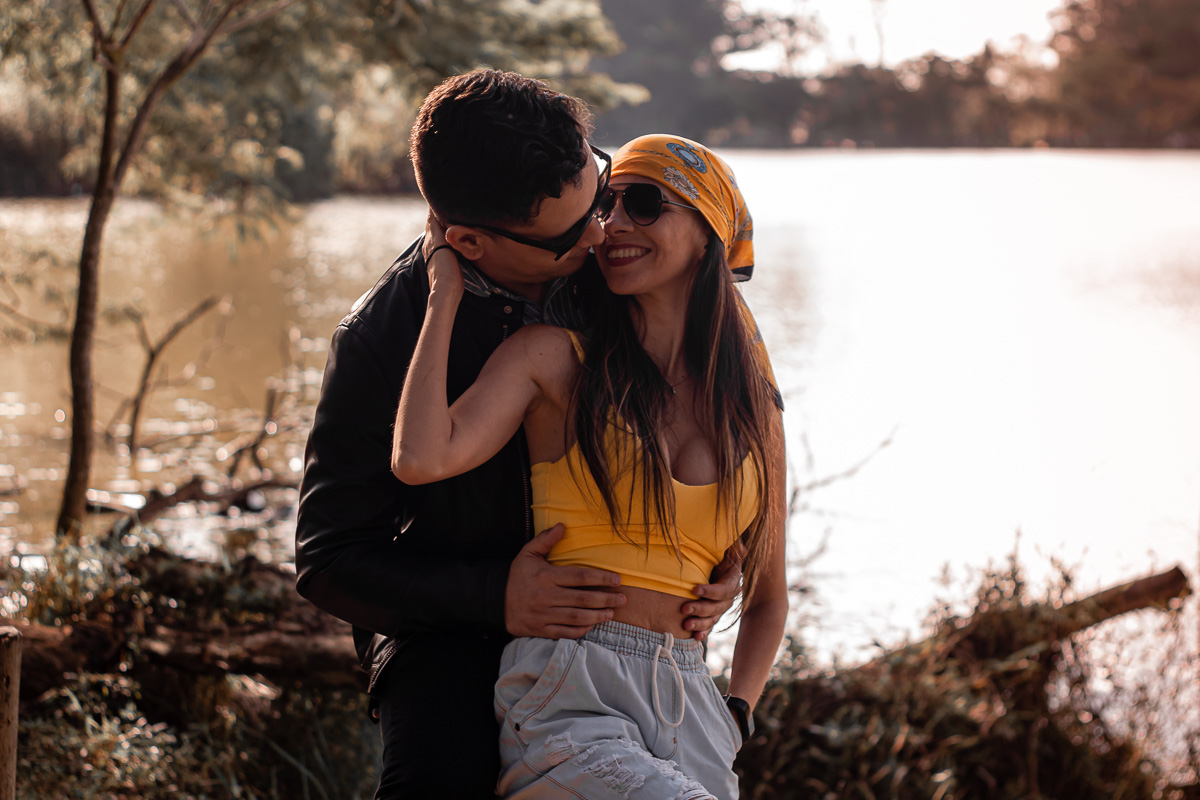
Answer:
(549, 353)
(543, 342)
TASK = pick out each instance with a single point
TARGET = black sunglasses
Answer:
(560, 245)
(643, 203)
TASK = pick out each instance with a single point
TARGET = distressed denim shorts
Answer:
(623, 713)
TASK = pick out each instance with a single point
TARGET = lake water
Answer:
(1002, 348)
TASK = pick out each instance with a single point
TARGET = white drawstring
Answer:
(669, 641)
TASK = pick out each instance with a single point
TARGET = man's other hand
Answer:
(717, 597)
(547, 601)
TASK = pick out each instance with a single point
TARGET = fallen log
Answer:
(1154, 591)
(196, 490)
(999, 634)
(314, 659)
(51, 655)
(247, 619)
(298, 642)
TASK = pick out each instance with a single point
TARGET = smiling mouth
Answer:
(623, 255)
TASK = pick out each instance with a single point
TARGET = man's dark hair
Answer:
(487, 146)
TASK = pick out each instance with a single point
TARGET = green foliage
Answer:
(89, 741)
(92, 739)
(77, 583)
(268, 90)
(154, 732)
(121, 584)
(33, 140)
(335, 91)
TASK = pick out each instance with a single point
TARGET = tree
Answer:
(1129, 72)
(675, 48)
(188, 98)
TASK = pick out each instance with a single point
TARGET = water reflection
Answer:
(287, 294)
(1024, 328)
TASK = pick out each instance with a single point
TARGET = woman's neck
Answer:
(661, 326)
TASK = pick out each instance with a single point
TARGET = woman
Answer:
(657, 441)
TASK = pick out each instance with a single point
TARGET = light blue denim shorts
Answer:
(623, 713)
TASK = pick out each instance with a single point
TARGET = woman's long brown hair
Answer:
(620, 384)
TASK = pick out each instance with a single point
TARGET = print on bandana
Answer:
(680, 183)
(688, 156)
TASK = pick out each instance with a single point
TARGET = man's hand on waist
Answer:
(717, 597)
(546, 601)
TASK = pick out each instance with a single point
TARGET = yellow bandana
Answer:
(703, 179)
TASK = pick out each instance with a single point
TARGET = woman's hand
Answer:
(445, 274)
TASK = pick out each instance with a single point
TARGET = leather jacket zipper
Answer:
(389, 650)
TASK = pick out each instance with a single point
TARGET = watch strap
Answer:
(742, 715)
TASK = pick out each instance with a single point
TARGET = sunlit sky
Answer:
(955, 28)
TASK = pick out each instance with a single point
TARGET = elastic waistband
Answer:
(620, 637)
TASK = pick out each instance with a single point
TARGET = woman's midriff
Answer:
(656, 611)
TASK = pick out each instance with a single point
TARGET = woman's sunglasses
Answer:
(643, 203)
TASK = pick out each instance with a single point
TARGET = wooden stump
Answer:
(10, 684)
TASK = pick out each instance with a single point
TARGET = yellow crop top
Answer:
(590, 540)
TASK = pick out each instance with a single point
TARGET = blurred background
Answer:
(977, 238)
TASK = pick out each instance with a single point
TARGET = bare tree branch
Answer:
(99, 33)
(189, 370)
(36, 325)
(255, 17)
(200, 40)
(118, 413)
(187, 373)
(153, 352)
(849, 472)
(14, 296)
(101, 39)
(182, 8)
(269, 427)
(138, 20)
(139, 320)
(196, 490)
(120, 12)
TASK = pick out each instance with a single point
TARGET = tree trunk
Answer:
(114, 165)
(10, 682)
(83, 402)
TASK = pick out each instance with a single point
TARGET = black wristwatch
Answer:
(741, 712)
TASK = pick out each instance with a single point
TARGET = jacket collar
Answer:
(552, 309)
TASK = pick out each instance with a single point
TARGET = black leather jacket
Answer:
(412, 568)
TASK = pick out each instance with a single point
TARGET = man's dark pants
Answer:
(457, 692)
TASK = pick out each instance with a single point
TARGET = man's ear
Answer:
(468, 241)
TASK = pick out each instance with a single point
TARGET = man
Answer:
(437, 579)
